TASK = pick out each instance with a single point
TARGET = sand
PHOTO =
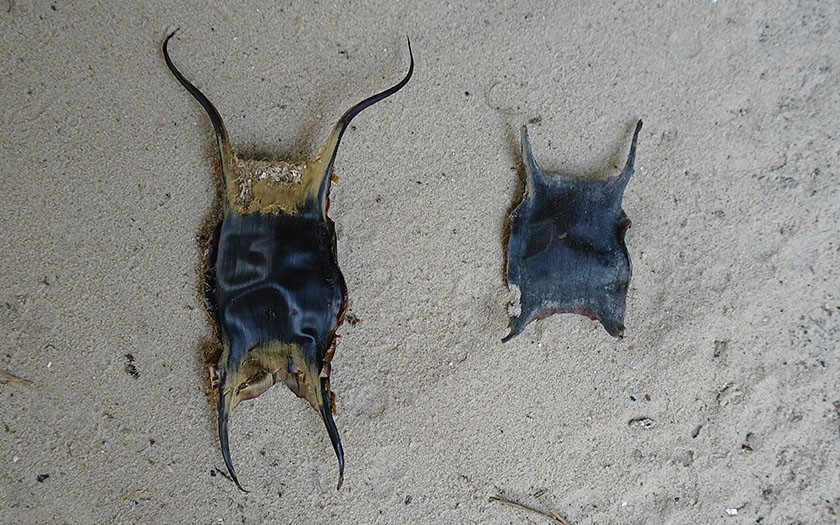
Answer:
(721, 404)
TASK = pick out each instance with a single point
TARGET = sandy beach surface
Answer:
(721, 404)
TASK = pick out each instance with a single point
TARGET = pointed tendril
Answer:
(332, 430)
(212, 112)
(345, 119)
(631, 157)
(224, 441)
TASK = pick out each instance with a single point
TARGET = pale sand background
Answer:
(106, 183)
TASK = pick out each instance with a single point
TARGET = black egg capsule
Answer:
(566, 251)
(272, 283)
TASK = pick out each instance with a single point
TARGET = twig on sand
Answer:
(8, 376)
(551, 514)
(224, 474)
